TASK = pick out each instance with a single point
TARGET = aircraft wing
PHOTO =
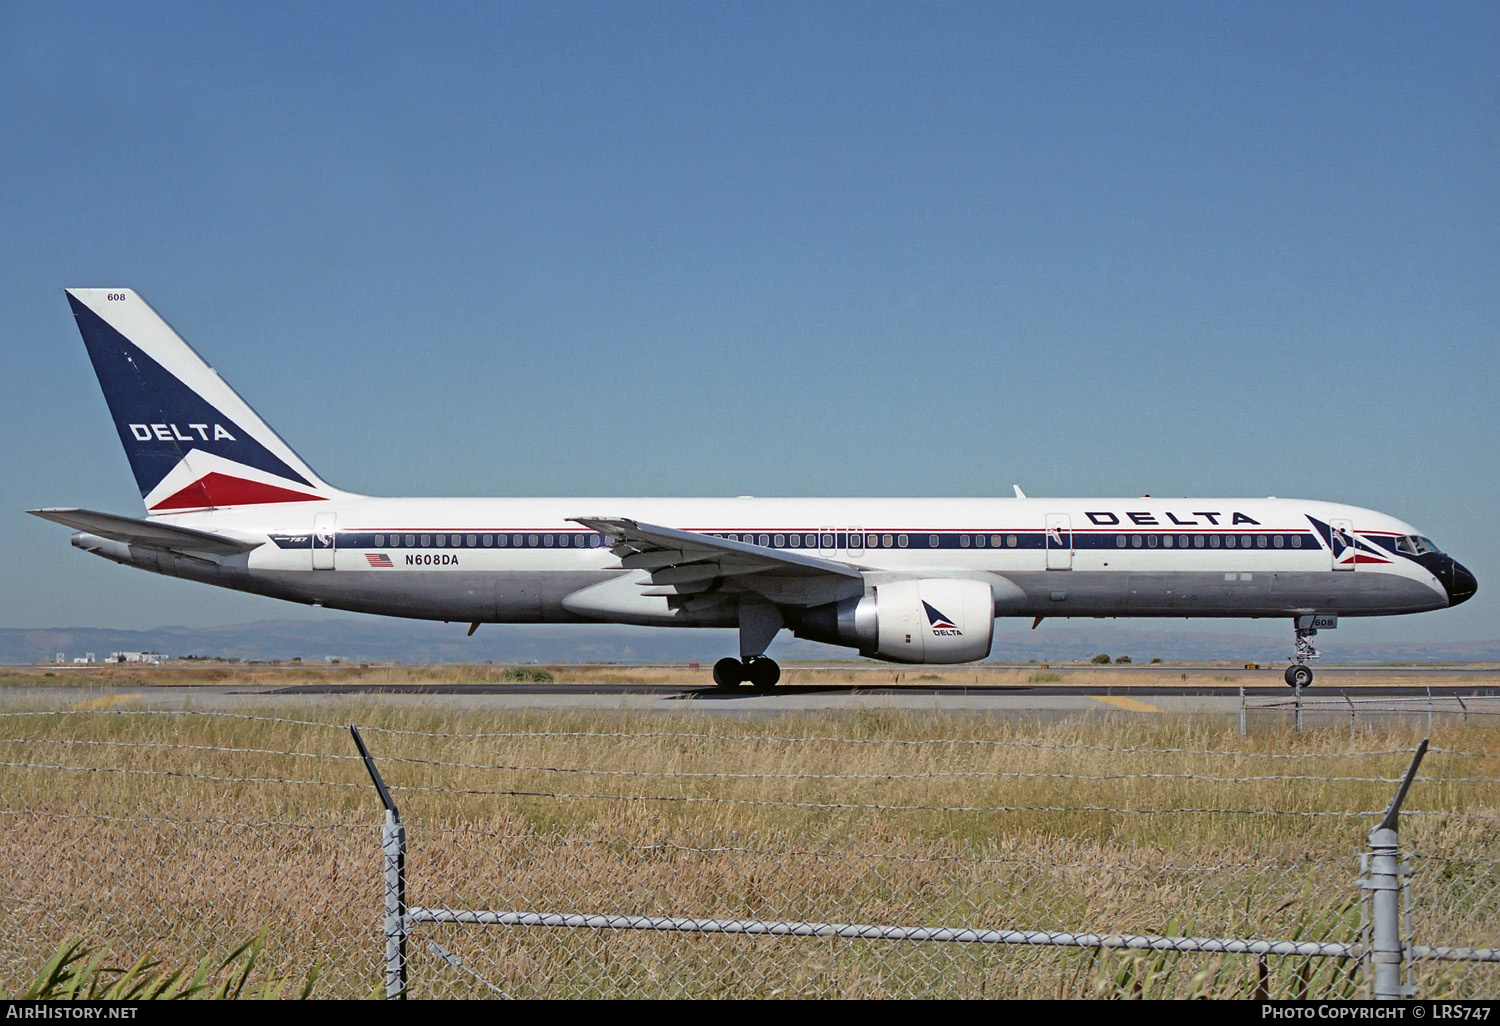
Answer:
(663, 550)
(145, 532)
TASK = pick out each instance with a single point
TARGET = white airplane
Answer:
(906, 580)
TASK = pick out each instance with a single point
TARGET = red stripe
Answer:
(222, 490)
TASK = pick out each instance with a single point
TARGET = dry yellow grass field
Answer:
(185, 833)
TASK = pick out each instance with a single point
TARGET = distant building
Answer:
(136, 657)
(62, 657)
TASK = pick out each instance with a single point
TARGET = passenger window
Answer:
(1135, 540)
(901, 540)
(1260, 541)
(1166, 541)
(1120, 541)
(473, 540)
(531, 541)
(979, 541)
(963, 541)
(1010, 540)
(502, 540)
(828, 540)
(380, 541)
(1296, 541)
(1213, 541)
(1182, 541)
(1151, 541)
(765, 539)
(886, 540)
(932, 541)
(1278, 540)
(1229, 541)
(426, 540)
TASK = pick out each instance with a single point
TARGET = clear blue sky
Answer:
(824, 249)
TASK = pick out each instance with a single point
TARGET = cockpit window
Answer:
(1415, 545)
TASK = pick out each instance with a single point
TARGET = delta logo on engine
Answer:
(942, 627)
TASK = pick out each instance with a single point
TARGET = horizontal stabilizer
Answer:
(145, 532)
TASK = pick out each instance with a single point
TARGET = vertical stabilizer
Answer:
(192, 442)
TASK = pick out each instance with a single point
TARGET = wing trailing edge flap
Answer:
(641, 543)
(702, 569)
(146, 532)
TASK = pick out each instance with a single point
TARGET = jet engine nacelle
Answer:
(932, 620)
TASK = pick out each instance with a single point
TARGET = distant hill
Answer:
(374, 639)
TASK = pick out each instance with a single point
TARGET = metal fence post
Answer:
(393, 847)
(1384, 884)
(1242, 710)
(393, 850)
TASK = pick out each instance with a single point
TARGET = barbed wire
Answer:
(717, 775)
(171, 746)
(708, 799)
(173, 821)
(419, 829)
(720, 775)
(180, 774)
(735, 738)
(824, 854)
(875, 807)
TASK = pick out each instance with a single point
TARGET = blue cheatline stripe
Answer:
(542, 538)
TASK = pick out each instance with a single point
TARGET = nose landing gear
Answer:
(1299, 674)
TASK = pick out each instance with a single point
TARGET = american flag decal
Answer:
(379, 559)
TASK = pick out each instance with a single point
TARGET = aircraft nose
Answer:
(1460, 584)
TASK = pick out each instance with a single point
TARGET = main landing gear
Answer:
(759, 622)
(1299, 674)
(760, 672)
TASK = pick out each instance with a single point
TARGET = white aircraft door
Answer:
(325, 531)
(1342, 543)
(1059, 541)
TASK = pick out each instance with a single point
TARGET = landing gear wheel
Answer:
(728, 672)
(1299, 676)
(763, 673)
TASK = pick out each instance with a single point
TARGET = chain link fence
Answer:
(878, 855)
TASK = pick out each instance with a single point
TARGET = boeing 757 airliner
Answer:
(906, 580)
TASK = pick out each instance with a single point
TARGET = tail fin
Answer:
(192, 442)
